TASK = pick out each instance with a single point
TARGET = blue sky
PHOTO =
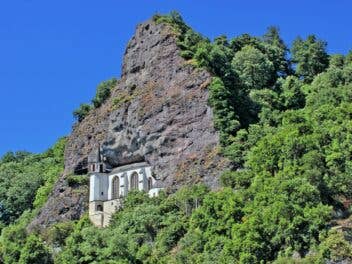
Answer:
(54, 53)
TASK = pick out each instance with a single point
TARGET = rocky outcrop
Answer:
(65, 203)
(157, 113)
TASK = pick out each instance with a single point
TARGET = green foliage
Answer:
(276, 51)
(51, 172)
(57, 234)
(35, 252)
(82, 112)
(13, 239)
(253, 68)
(103, 92)
(287, 132)
(243, 40)
(77, 180)
(335, 247)
(291, 96)
(174, 19)
(290, 217)
(147, 228)
(224, 113)
(14, 156)
(87, 244)
(25, 185)
(240, 67)
(310, 56)
(26, 180)
(194, 225)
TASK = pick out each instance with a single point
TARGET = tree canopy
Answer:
(284, 117)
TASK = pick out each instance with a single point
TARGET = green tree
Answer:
(14, 156)
(35, 252)
(189, 43)
(336, 60)
(276, 51)
(225, 118)
(25, 183)
(310, 57)
(243, 40)
(291, 96)
(13, 238)
(254, 68)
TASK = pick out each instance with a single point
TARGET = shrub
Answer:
(82, 112)
(77, 180)
(103, 92)
(57, 234)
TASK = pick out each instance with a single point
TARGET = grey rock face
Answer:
(158, 113)
(65, 203)
(167, 123)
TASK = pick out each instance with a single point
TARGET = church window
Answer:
(134, 181)
(150, 183)
(99, 208)
(115, 187)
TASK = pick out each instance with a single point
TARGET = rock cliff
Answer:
(157, 113)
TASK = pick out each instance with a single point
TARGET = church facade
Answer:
(108, 186)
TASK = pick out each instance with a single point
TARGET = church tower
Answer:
(96, 162)
(98, 186)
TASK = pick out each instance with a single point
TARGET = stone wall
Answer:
(110, 207)
(102, 218)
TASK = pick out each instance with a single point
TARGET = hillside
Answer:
(157, 113)
(249, 138)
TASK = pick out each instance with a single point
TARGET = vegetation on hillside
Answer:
(26, 181)
(102, 94)
(285, 121)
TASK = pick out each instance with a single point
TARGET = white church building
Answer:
(108, 187)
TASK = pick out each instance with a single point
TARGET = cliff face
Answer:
(157, 113)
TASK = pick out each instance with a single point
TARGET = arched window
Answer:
(99, 208)
(115, 187)
(134, 181)
(150, 183)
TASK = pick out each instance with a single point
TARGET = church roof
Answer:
(133, 166)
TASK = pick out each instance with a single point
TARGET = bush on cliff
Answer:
(102, 94)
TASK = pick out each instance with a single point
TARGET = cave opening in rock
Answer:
(82, 167)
